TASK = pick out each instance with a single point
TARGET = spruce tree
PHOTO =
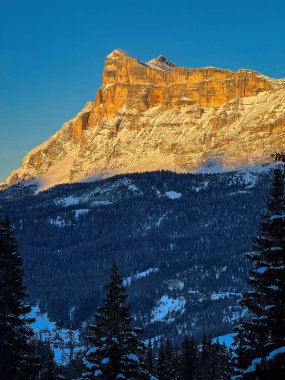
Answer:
(242, 347)
(185, 362)
(177, 363)
(16, 353)
(161, 363)
(149, 358)
(115, 350)
(194, 355)
(189, 359)
(220, 362)
(48, 369)
(205, 358)
(226, 362)
(170, 365)
(264, 331)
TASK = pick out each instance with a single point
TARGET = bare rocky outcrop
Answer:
(156, 115)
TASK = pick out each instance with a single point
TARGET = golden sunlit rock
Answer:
(155, 115)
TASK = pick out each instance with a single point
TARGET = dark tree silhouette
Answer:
(260, 335)
(17, 360)
(115, 350)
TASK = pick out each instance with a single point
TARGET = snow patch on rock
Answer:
(59, 339)
(68, 201)
(173, 194)
(167, 309)
(128, 281)
(58, 221)
(81, 211)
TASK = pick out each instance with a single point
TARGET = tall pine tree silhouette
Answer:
(150, 357)
(16, 354)
(261, 337)
(48, 370)
(161, 363)
(115, 350)
(189, 359)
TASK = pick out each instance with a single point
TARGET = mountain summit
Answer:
(161, 63)
(156, 115)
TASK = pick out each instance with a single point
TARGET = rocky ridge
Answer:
(156, 115)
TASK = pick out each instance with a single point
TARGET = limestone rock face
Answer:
(156, 115)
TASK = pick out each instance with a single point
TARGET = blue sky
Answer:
(52, 52)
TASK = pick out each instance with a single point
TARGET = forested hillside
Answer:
(179, 240)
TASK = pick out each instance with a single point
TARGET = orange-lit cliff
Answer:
(156, 115)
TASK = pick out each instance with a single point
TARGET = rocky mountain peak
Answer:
(156, 115)
(119, 56)
(117, 52)
(161, 63)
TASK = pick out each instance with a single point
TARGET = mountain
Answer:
(156, 115)
(179, 240)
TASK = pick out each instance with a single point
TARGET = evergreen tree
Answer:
(161, 363)
(194, 355)
(17, 360)
(206, 361)
(170, 365)
(74, 368)
(220, 362)
(48, 369)
(264, 331)
(177, 363)
(271, 367)
(205, 358)
(243, 354)
(115, 350)
(189, 359)
(226, 362)
(185, 362)
(149, 358)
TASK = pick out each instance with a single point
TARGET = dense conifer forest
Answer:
(180, 230)
(113, 343)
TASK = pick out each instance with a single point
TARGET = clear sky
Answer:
(52, 52)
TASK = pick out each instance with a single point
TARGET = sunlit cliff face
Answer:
(156, 115)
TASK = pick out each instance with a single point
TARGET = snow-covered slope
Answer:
(227, 339)
(65, 343)
(156, 115)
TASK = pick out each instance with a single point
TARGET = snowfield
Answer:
(167, 309)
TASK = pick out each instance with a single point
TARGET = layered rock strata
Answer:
(156, 115)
